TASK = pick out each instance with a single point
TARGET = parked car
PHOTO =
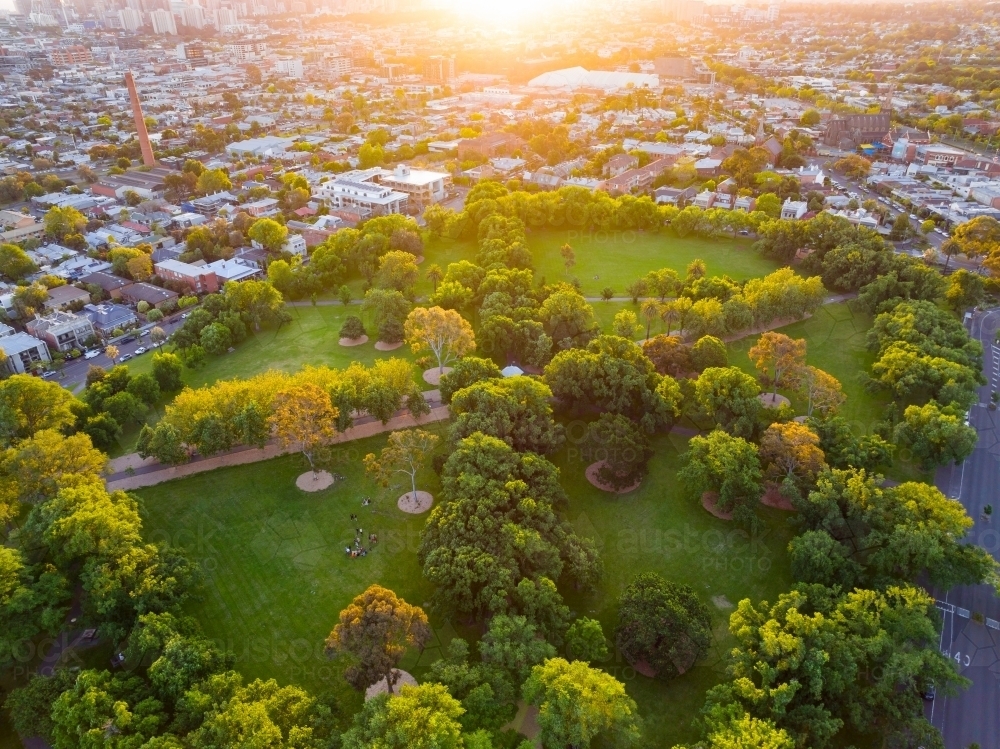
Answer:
(48, 373)
(127, 339)
(140, 350)
(124, 357)
(92, 354)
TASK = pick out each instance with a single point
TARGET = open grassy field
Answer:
(613, 259)
(310, 338)
(277, 575)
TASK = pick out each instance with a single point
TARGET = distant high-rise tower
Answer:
(148, 159)
(163, 22)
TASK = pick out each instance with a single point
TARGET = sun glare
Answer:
(503, 13)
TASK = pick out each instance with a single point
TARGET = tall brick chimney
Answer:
(140, 124)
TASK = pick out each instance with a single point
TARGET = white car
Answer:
(140, 350)
(92, 354)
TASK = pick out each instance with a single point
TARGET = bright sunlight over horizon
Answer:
(503, 13)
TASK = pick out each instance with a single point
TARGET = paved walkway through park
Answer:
(133, 472)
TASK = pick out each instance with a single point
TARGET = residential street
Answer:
(971, 634)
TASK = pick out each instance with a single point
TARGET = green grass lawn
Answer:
(613, 259)
(310, 338)
(277, 575)
(835, 337)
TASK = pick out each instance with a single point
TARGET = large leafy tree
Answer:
(467, 371)
(568, 318)
(259, 301)
(260, 713)
(662, 625)
(268, 233)
(936, 436)
(376, 630)
(422, 717)
(28, 404)
(889, 534)
(622, 448)
(613, 375)
(578, 703)
(303, 415)
(445, 333)
(778, 358)
(516, 410)
(728, 397)
(843, 449)
(727, 466)
(497, 525)
(819, 660)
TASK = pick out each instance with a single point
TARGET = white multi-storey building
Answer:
(163, 22)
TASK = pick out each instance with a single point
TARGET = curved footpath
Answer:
(133, 472)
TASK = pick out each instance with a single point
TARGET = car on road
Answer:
(185, 316)
(48, 373)
(124, 357)
(92, 354)
(140, 350)
(929, 693)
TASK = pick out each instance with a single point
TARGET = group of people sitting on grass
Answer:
(359, 550)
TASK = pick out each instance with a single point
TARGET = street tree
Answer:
(937, 436)
(15, 263)
(662, 625)
(796, 664)
(778, 358)
(29, 404)
(376, 630)
(303, 415)
(445, 333)
(269, 234)
(406, 453)
(578, 703)
(977, 239)
(62, 221)
(892, 535)
(212, 181)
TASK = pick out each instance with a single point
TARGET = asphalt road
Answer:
(74, 373)
(971, 634)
